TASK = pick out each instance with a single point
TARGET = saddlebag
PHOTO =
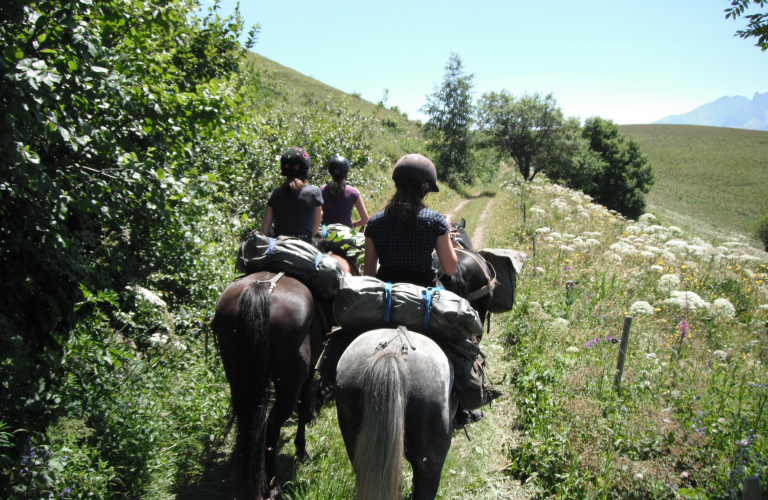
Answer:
(508, 264)
(294, 257)
(364, 303)
(471, 386)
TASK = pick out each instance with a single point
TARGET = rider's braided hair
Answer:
(338, 184)
(406, 203)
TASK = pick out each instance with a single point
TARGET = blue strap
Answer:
(271, 249)
(387, 302)
(325, 231)
(426, 296)
(317, 261)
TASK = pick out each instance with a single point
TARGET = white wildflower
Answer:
(613, 256)
(680, 299)
(578, 242)
(560, 325)
(723, 307)
(763, 307)
(720, 354)
(616, 247)
(572, 349)
(159, 339)
(696, 250)
(641, 307)
(668, 282)
(628, 251)
(656, 268)
(591, 242)
(676, 246)
(549, 239)
(555, 235)
(647, 254)
(650, 355)
(567, 249)
(543, 230)
(634, 229)
(558, 206)
(147, 295)
(646, 218)
(538, 271)
(668, 256)
(675, 230)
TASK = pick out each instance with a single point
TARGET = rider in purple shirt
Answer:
(338, 198)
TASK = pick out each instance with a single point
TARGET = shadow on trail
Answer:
(218, 481)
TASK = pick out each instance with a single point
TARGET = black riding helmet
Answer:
(295, 162)
(416, 167)
(338, 167)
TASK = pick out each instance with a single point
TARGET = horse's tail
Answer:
(378, 458)
(250, 390)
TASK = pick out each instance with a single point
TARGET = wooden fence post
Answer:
(534, 250)
(622, 352)
(751, 488)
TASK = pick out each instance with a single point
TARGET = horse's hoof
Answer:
(275, 493)
(313, 420)
(302, 456)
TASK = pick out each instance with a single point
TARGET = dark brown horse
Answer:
(473, 279)
(266, 331)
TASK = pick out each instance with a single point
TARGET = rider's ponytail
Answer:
(338, 184)
(295, 184)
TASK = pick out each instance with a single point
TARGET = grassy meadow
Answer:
(718, 176)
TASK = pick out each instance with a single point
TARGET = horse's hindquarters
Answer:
(426, 416)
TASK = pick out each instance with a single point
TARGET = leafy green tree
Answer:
(527, 128)
(450, 116)
(761, 230)
(758, 22)
(624, 174)
(573, 163)
(101, 105)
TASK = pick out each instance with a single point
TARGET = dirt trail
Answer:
(477, 238)
(462, 204)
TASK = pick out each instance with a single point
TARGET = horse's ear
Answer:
(463, 223)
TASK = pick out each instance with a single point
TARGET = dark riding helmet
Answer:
(416, 167)
(338, 166)
(295, 162)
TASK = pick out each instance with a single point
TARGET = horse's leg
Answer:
(427, 458)
(289, 379)
(305, 417)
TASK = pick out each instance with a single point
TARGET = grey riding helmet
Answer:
(338, 166)
(295, 162)
(417, 167)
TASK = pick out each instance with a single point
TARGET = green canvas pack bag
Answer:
(364, 303)
(472, 387)
(508, 264)
(296, 258)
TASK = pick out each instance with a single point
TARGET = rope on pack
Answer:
(269, 252)
(272, 282)
(317, 261)
(387, 302)
(426, 296)
(325, 231)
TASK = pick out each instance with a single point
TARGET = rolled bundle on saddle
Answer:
(508, 264)
(340, 238)
(298, 259)
(364, 303)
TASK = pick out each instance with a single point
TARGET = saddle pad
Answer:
(364, 303)
(508, 264)
(294, 257)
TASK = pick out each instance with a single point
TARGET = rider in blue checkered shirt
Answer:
(403, 235)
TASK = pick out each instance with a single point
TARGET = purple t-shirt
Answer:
(337, 208)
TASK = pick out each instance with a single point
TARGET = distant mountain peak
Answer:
(727, 111)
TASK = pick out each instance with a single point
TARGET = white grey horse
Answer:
(392, 398)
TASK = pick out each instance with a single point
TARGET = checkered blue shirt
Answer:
(410, 250)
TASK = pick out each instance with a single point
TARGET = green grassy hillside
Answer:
(715, 175)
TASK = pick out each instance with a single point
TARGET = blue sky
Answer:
(633, 62)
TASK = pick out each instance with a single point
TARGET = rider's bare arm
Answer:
(360, 206)
(267, 223)
(445, 254)
(318, 218)
(371, 258)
